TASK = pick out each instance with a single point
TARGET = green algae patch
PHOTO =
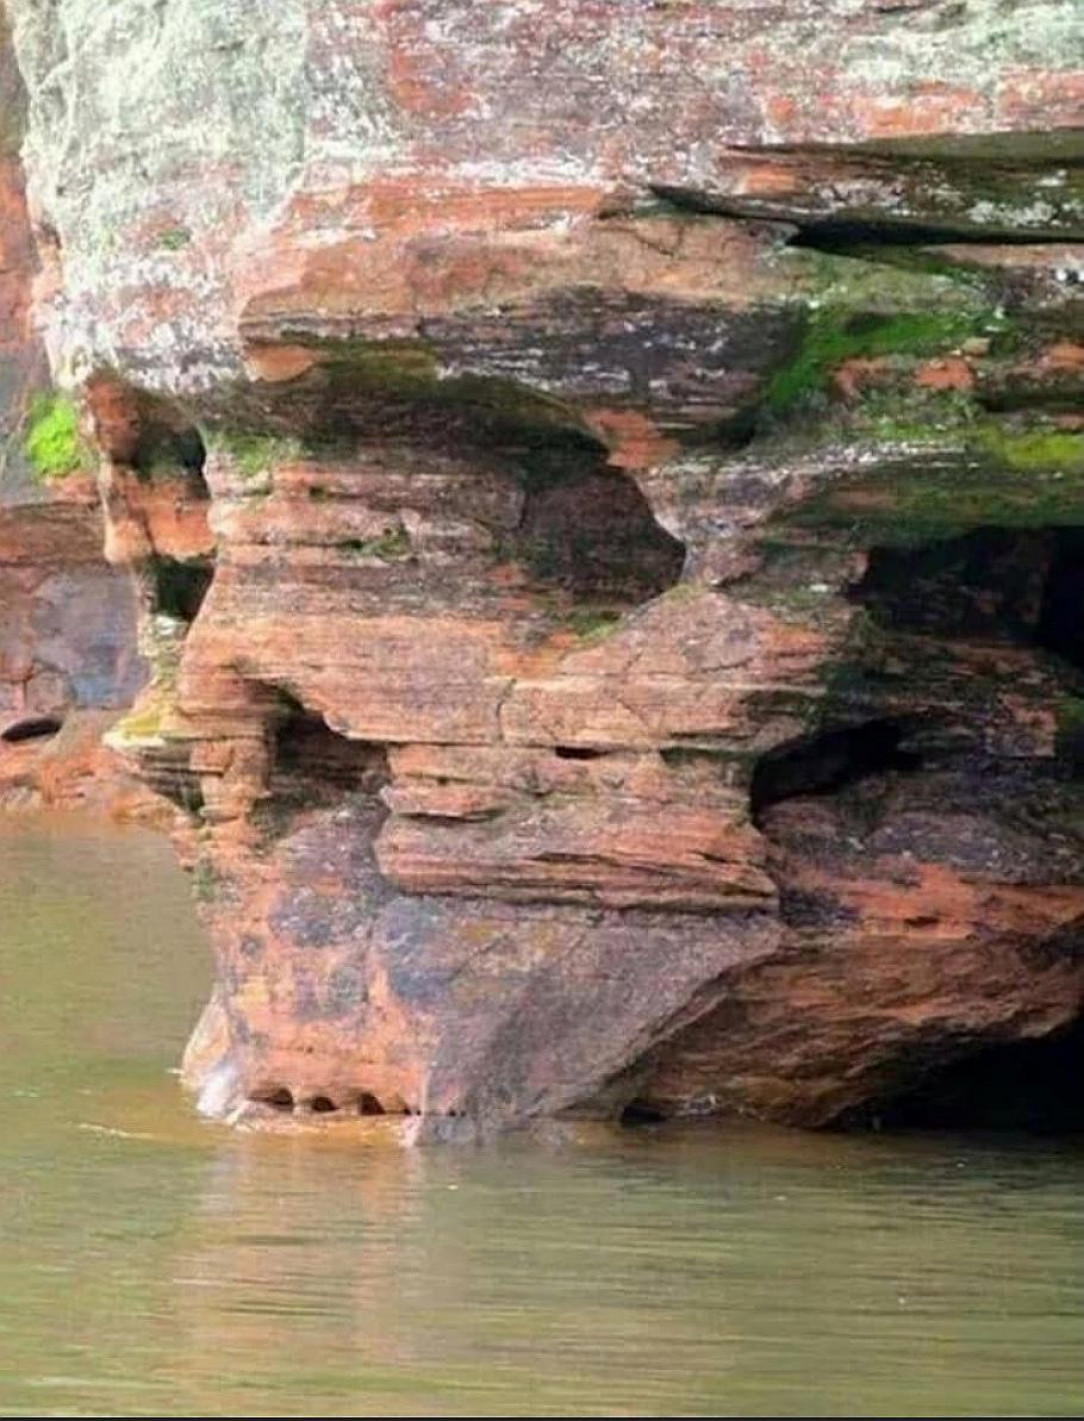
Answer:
(143, 726)
(53, 444)
(204, 880)
(365, 371)
(834, 335)
(942, 501)
(392, 364)
(255, 454)
(1033, 450)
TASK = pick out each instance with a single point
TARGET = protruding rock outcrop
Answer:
(607, 486)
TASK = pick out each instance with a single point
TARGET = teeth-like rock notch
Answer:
(605, 489)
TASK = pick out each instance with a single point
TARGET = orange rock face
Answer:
(605, 488)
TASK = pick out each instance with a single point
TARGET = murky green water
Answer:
(151, 1264)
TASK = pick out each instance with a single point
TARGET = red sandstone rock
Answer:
(634, 443)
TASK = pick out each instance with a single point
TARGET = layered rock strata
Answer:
(606, 483)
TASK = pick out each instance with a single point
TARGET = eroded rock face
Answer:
(68, 623)
(606, 486)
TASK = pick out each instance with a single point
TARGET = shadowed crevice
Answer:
(1031, 1086)
(829, 762)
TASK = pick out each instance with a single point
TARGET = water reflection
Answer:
(154, 1265)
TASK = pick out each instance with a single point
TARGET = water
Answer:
(151, 1264)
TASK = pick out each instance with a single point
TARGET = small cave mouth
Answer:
(829, 762)
(1027, 1087)
(178, 588)
(41, 727)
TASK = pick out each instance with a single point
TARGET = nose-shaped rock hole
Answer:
(149, 434)
(34, 728)
(369, 1105)
(589, 530)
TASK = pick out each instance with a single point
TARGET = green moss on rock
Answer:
(53, 444)
(255, 454)
(1033, 450)
(835, 334)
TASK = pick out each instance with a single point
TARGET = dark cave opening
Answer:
(280, 1099)
(178, 588)
(40, 727)
(854, 237)
(1028, 1086)
(308, 751)
(829, 762)
(987, 603)
(641, 1112)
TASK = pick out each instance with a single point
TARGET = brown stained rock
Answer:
(903, 946)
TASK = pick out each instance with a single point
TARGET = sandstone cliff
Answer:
(606, 484)
(68, 622)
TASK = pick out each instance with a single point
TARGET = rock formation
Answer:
(606, 484)
(68, 654)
